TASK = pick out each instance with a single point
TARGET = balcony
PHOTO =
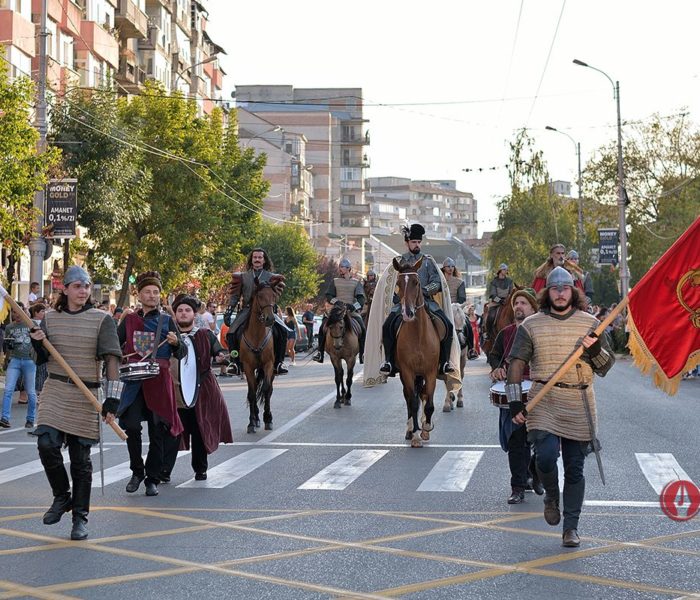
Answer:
(129, 76)
(353, 209)
(65, 13)
(355, 139)
(16, 30)
(352, 184)
(99, 42)
(131, 20)
(151, 40)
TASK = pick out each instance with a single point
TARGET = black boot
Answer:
(573, 501)
(537, 486)
(363, 335)
(279, 336)
(550, 481)
(52, 460)
(445, 348)
(81, 472)
(318, 357)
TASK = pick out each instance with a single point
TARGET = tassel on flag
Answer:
(664, 313)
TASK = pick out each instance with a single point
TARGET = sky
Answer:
(448, 83)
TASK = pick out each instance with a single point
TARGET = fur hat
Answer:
(529, 294)
(414, 232)
(149, 278)
(191, 301)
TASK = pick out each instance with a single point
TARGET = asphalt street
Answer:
(332, 503)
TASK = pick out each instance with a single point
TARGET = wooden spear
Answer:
(574, 356)
(61, 361)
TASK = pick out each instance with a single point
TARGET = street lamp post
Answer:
(181, 73)
(577, 147)
(621, 199)
(262, 133)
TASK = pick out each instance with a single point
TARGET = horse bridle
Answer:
(407, 273)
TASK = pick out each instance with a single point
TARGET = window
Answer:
(348, 198)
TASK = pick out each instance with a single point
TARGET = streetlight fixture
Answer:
(181, 73)
(621, 195)
(577, 147)
(262, 133)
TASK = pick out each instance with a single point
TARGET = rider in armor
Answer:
(349, 291)
(431, 284)
(500, 288)
(454, 281)
(258, 265)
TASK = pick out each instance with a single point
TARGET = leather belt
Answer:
(565, 386)
(93, 385)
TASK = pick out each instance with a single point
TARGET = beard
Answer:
(519, 315)
(414, 251)
(186, 324)
(565, 307)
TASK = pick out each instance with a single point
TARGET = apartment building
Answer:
(290, 175)
(116, 43)
(331, 120)
(438, 205)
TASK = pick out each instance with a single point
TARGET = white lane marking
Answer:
(121, 471)
(452, 472)
(660, 469)
(31, 467)
(300, 417)
(341, 473)
(14, 429)
(5, 450)
(622, 503)
(235, 468)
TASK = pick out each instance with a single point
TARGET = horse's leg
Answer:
(338, 371)
(428, 407)
(416, 441)
(267, 379)
(350, 363)
(460, 394)
(449, 400)
(252, 401)
(409, 401)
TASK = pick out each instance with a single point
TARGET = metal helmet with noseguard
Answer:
(558, 278)
(345, 263)
(449, 262)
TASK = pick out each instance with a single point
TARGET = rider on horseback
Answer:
(431, 284)
(349, 291)
(454, 281)
(500, 288)
(258, 265)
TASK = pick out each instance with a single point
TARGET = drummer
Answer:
(203, 414)
(513, 438)
(153, 399)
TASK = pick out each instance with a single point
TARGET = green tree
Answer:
(22, 169)
(531, 218)
(294, 257)
(170, 190)
(661, 158)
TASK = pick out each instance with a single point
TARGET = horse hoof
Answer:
(416, 442)
(347, 401)
(337, 404)
(425, 435)
(251, 429)
(447, 407)
(409, 435)
(257, 423)
(268, 426)
(460, 403)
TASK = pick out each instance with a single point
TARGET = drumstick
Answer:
(61, 361)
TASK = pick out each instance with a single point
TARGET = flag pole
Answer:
(61, 361)
(575, 355)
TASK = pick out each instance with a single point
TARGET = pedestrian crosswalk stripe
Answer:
(452, 472)
(121, 471)
(235, 468)
(31, 467)
(341, 473)
(660, 469)
(5, 450)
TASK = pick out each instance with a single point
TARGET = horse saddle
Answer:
(438, 323)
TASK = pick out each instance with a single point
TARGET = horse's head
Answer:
(336, 324)
(264, 299)
(408, 288)
(458, 316)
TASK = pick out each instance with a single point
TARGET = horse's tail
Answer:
(262, 384)
(418, 387)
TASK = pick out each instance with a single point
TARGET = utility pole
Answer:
(37, 243)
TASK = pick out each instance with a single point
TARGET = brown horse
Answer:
(342, 344)
(417, 352)
(504, 317)
(257, 351)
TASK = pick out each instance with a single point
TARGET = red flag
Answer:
(664, 313)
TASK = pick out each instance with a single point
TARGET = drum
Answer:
(497, 393)
(138, 371)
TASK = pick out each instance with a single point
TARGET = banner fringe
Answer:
(644, 361)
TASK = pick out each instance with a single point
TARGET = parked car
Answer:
(302, 343)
